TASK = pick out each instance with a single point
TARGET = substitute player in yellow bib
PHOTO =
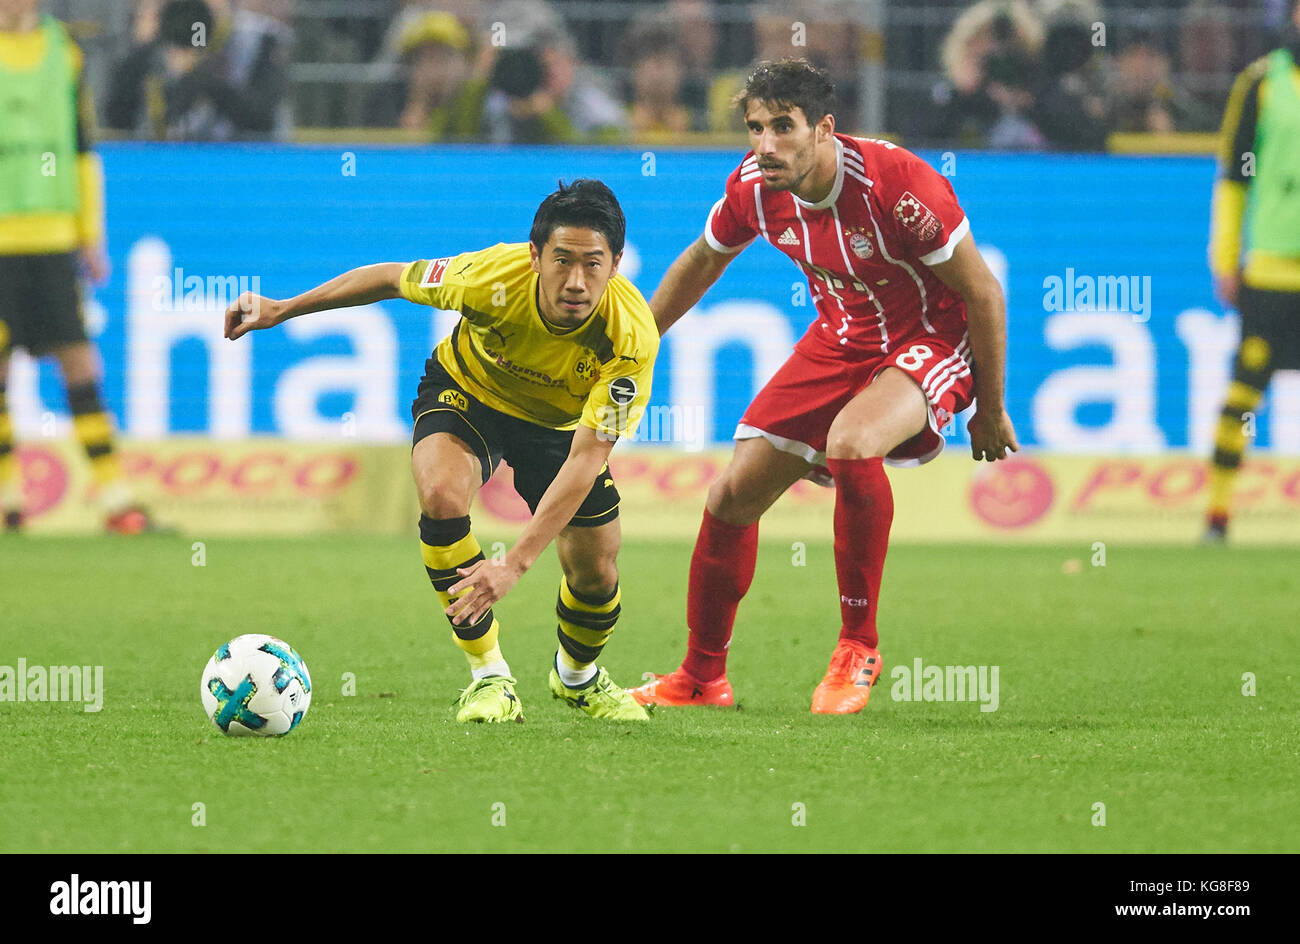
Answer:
(550, 364)
(1256, 202)
(52, 233)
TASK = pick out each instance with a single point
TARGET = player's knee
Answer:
(78, 364)
(855, 441)
(443, 499)
(732, 503)
(596, 578)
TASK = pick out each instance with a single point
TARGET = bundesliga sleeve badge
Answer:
(433, 272)
(917, 217)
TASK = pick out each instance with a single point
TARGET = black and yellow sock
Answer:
(10, 487)
(446, 544)
(585, 624)
(1251, 377)
(94, 428)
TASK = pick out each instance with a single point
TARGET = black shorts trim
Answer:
(594, 521)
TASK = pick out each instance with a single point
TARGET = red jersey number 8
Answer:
(914, 356)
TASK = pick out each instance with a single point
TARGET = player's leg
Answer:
(890, 411)
(780, 439)
(60, 331)
(1251, 373)
(588, 603)
(587, 609)
(726, 549)
(448, 473)
(93, 425)
(722, 568)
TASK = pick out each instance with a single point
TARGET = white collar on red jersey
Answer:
(834, 195)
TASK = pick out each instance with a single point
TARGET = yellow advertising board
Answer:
(271, 486)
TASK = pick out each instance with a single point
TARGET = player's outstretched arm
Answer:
(991, 432)
(686, 281)
(361, 286)
(490, 580)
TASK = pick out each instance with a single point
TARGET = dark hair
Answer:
(787, 84)
(586, 203)
(179, 17)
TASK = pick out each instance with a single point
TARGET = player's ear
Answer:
(826, 127)
(534, 256)
(617, 259)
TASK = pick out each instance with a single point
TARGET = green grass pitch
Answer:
(1119, 685)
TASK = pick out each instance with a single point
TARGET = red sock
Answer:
(864, 509)
(722, 569)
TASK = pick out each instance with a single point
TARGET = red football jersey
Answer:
(866, 248)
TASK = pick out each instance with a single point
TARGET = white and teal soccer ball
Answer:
(256, 685)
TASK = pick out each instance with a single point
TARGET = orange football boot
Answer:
(678, 688)
(131, 520)
(847, 686)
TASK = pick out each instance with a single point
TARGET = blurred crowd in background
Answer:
(1002, 74)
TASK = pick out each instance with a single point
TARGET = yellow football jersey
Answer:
(507, 356)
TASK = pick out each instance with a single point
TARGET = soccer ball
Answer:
(257, 685)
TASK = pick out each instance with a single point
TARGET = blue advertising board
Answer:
(1115, 340)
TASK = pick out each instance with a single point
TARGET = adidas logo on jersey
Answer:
(788, 238)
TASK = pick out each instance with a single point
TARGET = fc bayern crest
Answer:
(861, 245)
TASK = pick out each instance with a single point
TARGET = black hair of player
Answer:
(586, 203)
(787, 84)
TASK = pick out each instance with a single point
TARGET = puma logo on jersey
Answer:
(788, 238)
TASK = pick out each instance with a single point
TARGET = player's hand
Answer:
(1226, 287)
(991, 435)
(94, 263)
(486, 581)
(251, 312)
